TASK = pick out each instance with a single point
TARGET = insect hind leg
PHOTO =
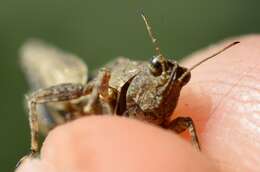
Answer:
(62, 92)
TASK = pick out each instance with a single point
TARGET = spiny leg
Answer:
(56, 93)
(180, 124)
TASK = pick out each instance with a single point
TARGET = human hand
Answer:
(223, 99)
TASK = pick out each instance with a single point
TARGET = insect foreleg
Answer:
(102, 97)
(180, 124)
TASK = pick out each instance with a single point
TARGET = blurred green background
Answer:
(98, 31)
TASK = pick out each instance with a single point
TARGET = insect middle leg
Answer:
(180, 124)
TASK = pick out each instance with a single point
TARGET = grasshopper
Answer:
(61, 90)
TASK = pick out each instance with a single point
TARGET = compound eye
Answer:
(155, 66)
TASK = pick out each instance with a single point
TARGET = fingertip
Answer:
(102, 143)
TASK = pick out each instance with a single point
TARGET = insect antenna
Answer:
(206, 59)
(151, 34)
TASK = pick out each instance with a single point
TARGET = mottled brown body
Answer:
(122, 87)
(61, 92)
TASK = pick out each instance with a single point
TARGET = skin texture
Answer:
(223, 98)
